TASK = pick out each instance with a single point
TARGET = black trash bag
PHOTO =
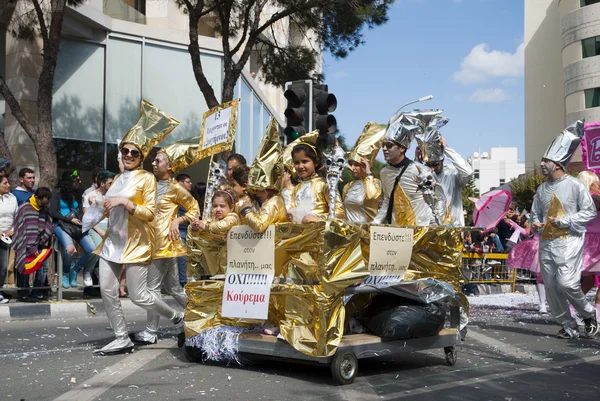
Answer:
(395, 318)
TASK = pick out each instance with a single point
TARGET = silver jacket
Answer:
(453, 178)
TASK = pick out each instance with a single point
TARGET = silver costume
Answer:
(453, 178)
(425, 214)
(561, 258)
(286, 194)
(354, 203)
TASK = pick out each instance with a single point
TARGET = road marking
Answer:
(483, 379)
(504, 347)
(91, 389)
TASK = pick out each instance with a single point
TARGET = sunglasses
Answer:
(133, 152)
(388, 145)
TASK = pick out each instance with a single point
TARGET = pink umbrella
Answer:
(491, 208)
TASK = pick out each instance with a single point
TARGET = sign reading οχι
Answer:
(250, 271)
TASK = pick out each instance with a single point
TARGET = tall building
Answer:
(490, 170)
(562, 70)
(113, 54)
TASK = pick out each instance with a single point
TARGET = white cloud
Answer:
(341, 75)
(494, 95)
(482, 65)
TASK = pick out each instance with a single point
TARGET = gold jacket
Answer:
(316, 192)
(129, 237)
(222, 227)
(361, 199)
(166, 212)
(272, 211)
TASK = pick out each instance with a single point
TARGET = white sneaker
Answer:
(3, 300)
(87, 279)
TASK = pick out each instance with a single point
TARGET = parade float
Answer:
(314, 292)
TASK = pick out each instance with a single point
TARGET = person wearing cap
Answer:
(130, 204)
(411, 194)
(562, 207)
(361, 196)
(453, 177)
(264, 182)
(171, 195)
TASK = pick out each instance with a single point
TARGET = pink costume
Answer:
(525, 255)
(591, 247)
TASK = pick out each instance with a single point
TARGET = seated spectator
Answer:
(25, 189)
(66, 209)
(33, 232)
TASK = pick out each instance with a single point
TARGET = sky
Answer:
(468, 54)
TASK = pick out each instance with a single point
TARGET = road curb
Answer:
(66, 309)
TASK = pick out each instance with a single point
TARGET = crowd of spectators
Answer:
(31, 219)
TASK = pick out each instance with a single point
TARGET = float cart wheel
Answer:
(344, 367)
(450, 355)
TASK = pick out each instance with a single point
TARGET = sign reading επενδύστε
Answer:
(389, 256)
(250, 271)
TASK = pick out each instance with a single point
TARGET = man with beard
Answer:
(561, 208)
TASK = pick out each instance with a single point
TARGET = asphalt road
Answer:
(510, 354)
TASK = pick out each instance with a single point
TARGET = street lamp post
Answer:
(421, 99)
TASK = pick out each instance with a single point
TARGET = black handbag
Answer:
(71, 229)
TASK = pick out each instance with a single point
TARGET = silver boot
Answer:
(144, 337)
(119, 344)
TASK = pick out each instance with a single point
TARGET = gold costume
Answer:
(167, 209)
(361, 199)
(130, 237)
(222, 227)
(316, 192)
(272, 211)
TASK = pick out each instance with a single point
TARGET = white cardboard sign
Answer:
(250, 272)
(389, 257)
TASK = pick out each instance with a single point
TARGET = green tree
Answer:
(27, 21)
(244, 27)
(523, 188)
(469, 191)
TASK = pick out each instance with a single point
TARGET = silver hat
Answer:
(404, 129)
(564, 145)
(429, 142)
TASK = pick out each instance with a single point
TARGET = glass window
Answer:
(258, 128)
(266, 117)
(170, 85)
(592, 98)
(244, 137)
(584, 3)
(77, 104)
(476, 174)
(590, 47)
(123, 87)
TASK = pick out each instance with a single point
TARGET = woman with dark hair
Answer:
(66, 209)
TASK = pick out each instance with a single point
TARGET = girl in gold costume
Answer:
(312, 192)
(223, 218)
(239, 184)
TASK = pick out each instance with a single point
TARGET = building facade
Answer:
(113, 54)
(496, 168)
(562, 70)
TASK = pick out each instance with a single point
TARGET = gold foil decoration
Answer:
(288, 161)
(557, 210)
(404, 213)
(368, 143)
(183, 154)
(152, 127)
(266, 170)
(225, 146)
(320, 260)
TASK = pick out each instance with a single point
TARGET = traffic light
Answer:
(324, 103)
(297, 112)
